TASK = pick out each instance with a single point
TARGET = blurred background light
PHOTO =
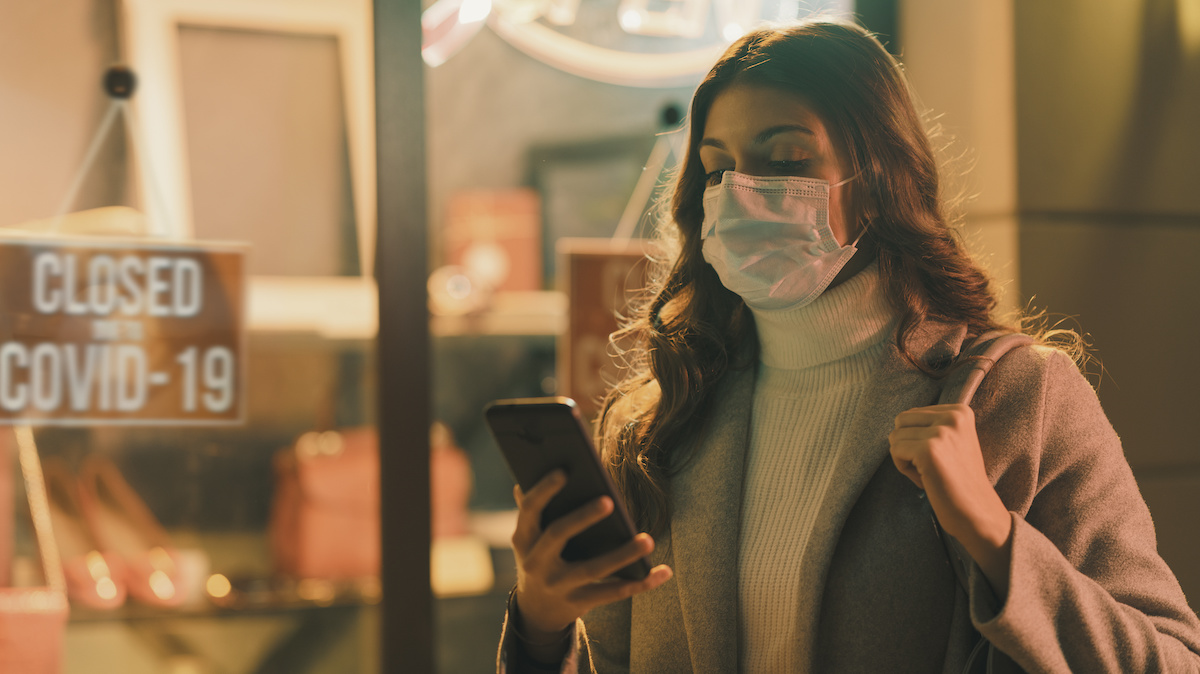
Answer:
(472, 11)
(1189, 25)
(631, 20)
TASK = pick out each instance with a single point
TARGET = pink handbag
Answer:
(32, 619)
(325, 512)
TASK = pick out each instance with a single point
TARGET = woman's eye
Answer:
(790, 165)
(714, 177)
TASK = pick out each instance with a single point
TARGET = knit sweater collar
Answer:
(841, 322)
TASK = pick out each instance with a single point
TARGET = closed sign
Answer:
(110, 331)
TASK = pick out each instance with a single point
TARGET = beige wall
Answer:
(1079, 118)
(1108, 99)
(1108, 105)
(959, 59)
(52, 56)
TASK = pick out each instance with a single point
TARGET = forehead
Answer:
(743, 111)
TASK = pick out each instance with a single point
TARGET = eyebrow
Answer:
(762, 137)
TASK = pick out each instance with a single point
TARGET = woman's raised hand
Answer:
(552, 592)
(936, 447)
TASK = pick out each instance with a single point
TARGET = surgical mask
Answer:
(769, 238)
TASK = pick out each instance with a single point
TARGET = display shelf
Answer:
(295, 639)
(496, 527)
(542, 312)
(346, 308)
(279, 604)
(297, 622)
(330, 307)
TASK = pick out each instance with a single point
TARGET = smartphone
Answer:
(537, 435)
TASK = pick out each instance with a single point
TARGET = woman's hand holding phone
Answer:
(552, 592)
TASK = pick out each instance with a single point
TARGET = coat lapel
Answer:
(895, 387)
(706, 500)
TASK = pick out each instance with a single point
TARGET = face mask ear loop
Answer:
(854, 245)
(845, 180)
(839, 184)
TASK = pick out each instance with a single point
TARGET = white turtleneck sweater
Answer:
(815, 362)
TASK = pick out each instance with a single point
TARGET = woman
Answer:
(776, 434)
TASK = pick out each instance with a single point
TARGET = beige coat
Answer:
(1088, 591)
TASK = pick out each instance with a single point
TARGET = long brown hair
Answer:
(691, 331)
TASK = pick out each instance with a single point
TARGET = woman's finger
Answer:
(913, 433)
(949, 415)
(903, 455)
(907, 469)
(603, 566)
(529, 517)
(596, 594)
(920, 418)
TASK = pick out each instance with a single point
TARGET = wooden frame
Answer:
(604, 163)
(151, 45)
(405, 390)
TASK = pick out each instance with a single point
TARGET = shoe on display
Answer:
(94, 579)
(124, 525)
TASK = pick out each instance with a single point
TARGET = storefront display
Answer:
(268, 456)
(178, 414)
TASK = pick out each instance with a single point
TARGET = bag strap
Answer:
(979, 357)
